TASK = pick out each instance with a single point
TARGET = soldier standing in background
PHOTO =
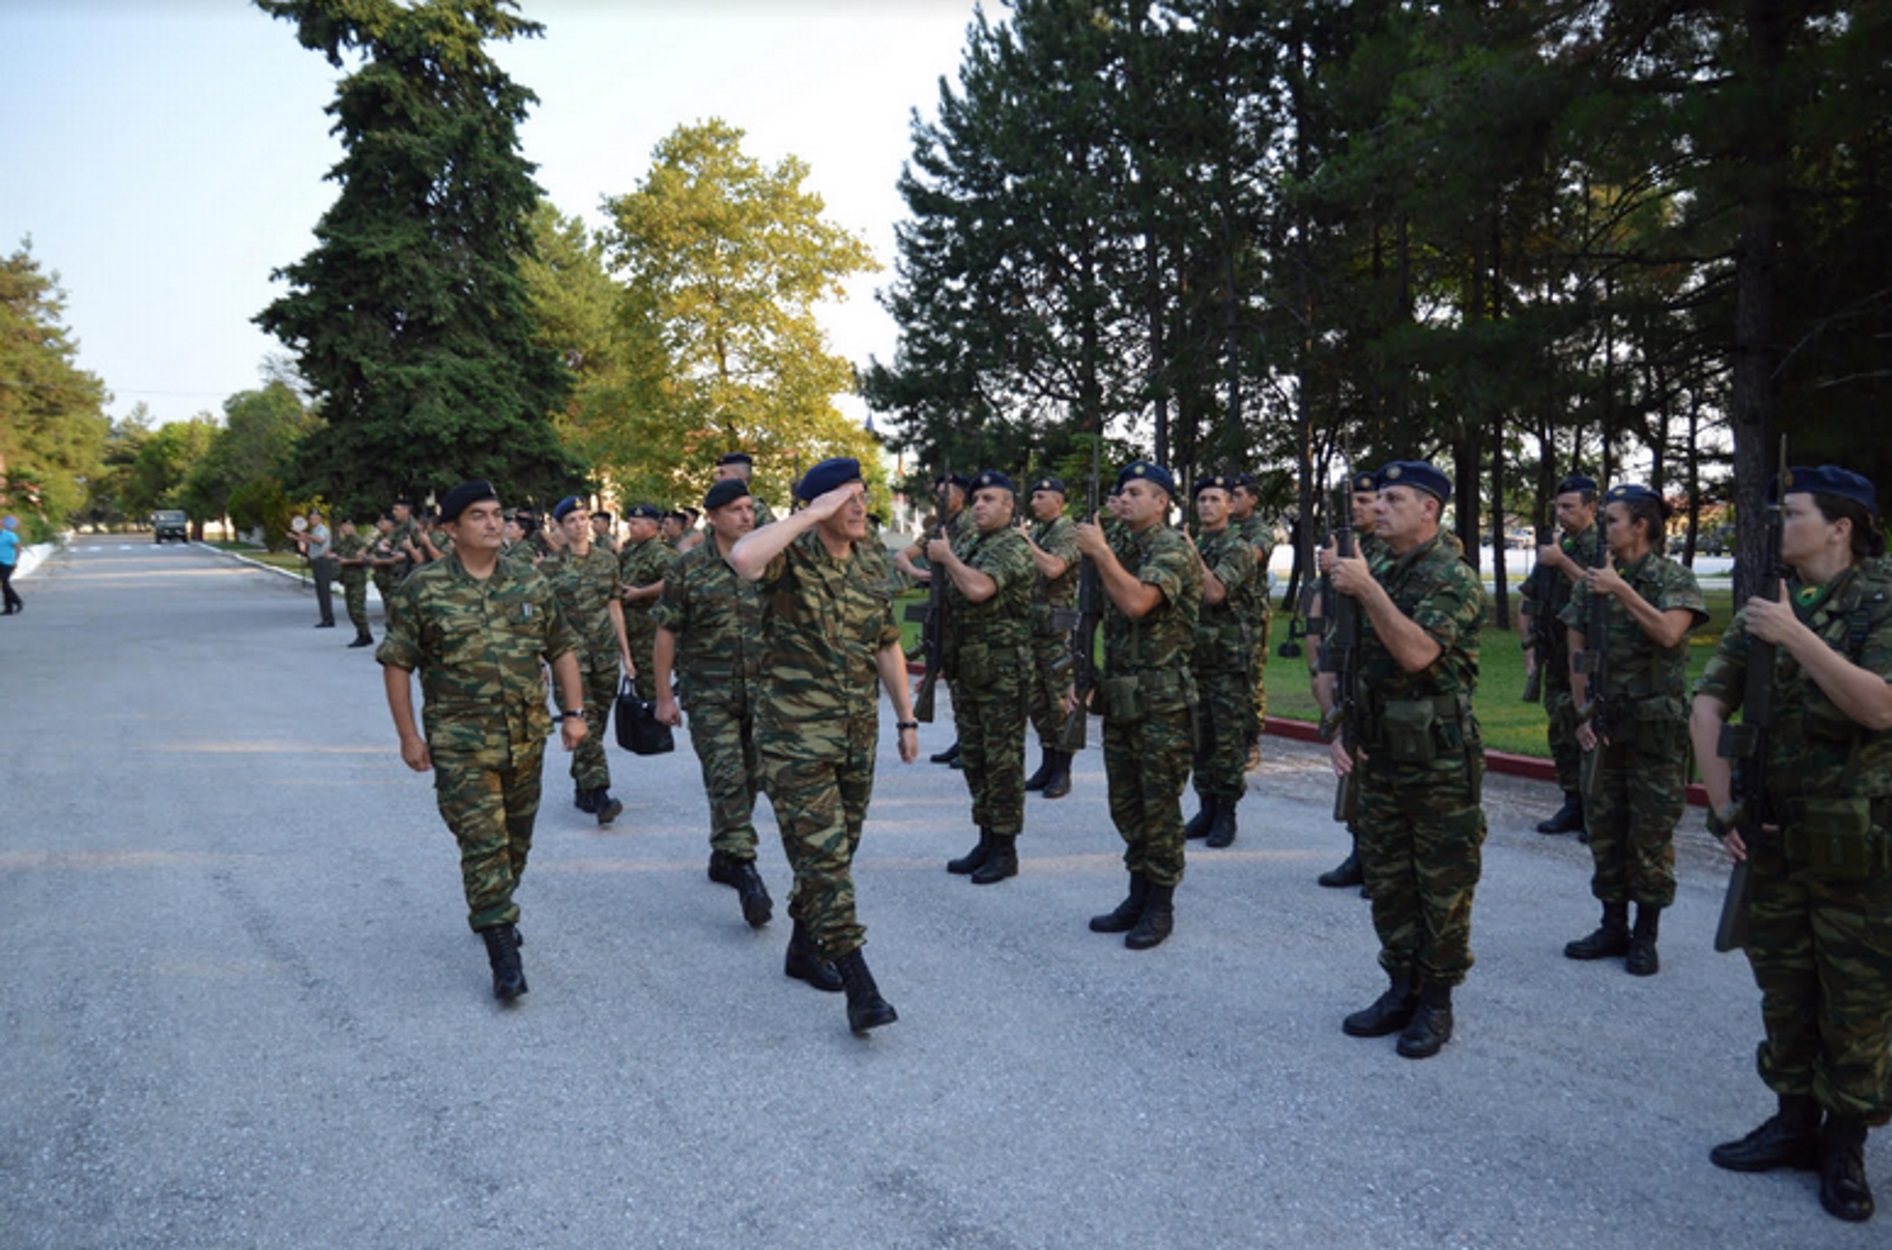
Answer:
(316, 546)
(832, 642)
(1246, 521)
(479, 629)
(740, 466)
(989, 663)
(1153, 588)
(1224, 658)
(709, 626)
(383, 562)
(1052, 540)
(1546, 593)
(404, 540)
(601, 536)
(585, 578)
(950, 492)
(351, 559)
(1421, 826)
(642, 566)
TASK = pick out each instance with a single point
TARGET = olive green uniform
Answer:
(354, 579)
(1548, 592)
(587, 587)
(1053, 604)
(1223, 660)
(988, 662)
(1259, 610)
(643, 564)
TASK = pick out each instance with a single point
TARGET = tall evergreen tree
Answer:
(52, 425)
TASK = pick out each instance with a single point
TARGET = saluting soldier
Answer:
(709, 627)
(740, 466)
(642, 566)
(951, 493)
(989, 576)
(1546, 593)
(1421, 826)
(1153, 588)
(351, 561)
(1246, 520)
(1052, 540)
(832, 642)
(1224, 659)
(1819, 883)
(585, 578)
(1641, 788)
(479, 628)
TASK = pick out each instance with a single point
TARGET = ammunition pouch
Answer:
(1421, 731)
(1656, 726)
(1132, 698)
(1225, 648)
(1837, 839)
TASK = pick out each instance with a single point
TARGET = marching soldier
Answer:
(832, 643)
(1421, 826)
(1224, 664)
(1819, 883)
(1246, 521)
(1546, 593)
(585, 578)
(1052, 540)
(709, 626)
(1153, 589)
(951, 494)
(642, 567)
(1641, 786)
(740, 466)
(351, 560)
(478, 628)
(988, 662)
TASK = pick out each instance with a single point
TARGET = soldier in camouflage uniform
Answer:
(740, 466)
(709, 626)
(828, 618)
(1052, 540)
(351, 560)
(1246, 521)
(1146, 692)
(585, 578)
(642, 566)
(1224, 661)
(1819, 883)
(1640, 781)
(1422, 760)
(988, 660)
(479, 628)
(404, 540)
(951, 493)
(383, 561)
(1546, 593)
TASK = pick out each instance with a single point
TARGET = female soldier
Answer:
(1819, 878)
(1637, 719)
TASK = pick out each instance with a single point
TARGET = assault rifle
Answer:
(1593, 662)
(1542, 623)
(1090, 607)
(932, 615)
(1747, 744)
(1340, 655)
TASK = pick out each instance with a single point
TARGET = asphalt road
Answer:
(241, 1006)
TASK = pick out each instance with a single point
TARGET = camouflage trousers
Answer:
(1050, 680)
(819, 777)
(598, 673)
(1258, 711)
(1638, 799)
(489, 805)
(1223, 720)
(384, 585)
(1421, 831)
(1561, 709)
(1821, 951)
(355, 594)
(722, 732)
(1147, 766)
(990, 721)
(640, 636)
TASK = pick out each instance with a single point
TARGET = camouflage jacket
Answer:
(348, 547)
(1636, 668)
(644, 564)
(1259, 535)
(1165, 637)
(1057, 537)
(824, 622)
(1446, 598)
(717, 619)
(479, 646)
(764, 515)
(1547, 594)
(1225, 631)
(586, 589)
(403, 533)
(1001, 622)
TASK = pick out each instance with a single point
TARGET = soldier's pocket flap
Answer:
(455, 735)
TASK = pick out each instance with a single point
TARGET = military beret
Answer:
(1217, 482)
(727, 491)
(1247, 481)
(1419, 475)
(1147, 471)
(957, 479)
(991, 478)
(402, 501)
(1577, 482)
(1049, 483)
(643, 512)
(1632, 492)
(566, 506)
(824, 477)
(1830, 479)
(464, 496)
(735, 457)
(1364, 483)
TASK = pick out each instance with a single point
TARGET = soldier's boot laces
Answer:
(1431, 1025)
(974, 859)
(1345, 875)
(1001, 861)
(866, 1009)
(1198, 826)
(1058, 784)
(1642, 960)
(607, 808)
(757, 907)
(1389, 1013)
(1158, 920)
(1046, 765)
(1609, 939)
(502, 951)
(1566, 819)
(1126, 914)
(1222, 831)
(582, 799)
(1790, 1138)
(1844, 1191)
(804, 962)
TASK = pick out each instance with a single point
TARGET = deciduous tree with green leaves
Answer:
(52, 424)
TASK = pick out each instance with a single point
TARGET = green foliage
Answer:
(262, 502)
(53, 429)
(257, 443)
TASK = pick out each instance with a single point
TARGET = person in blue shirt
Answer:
(9, 559)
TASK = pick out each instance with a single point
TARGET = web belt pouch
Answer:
(1168, 689)
(1122, 699)
(1654, 727)
(1835, 839)
(971, 665)
(1407, 725)
(1056, 620)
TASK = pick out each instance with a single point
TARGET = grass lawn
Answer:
(291, 560)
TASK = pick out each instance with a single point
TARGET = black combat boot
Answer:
(1431, 1024)
(1000, 862)
(1345, 875)
(1128, 912)
(971, 860)
(1058, 784)
(1568, 818)
(947, 756)
(583, 800)
(363, 639)
(1389, 1013)
(1046, 766)
(1222, 831)
(722, 868)
(804, 962)
(757, 907)
(1610, 939)
(1642, 960)
(1843, 1188)
(607, 808)
(502, 951)
(1198, 826)
(866, 1009)
(1158, 920)
(1790, 1138)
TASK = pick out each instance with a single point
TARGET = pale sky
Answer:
(165, 155)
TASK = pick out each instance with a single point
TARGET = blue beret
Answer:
(1830, 479)
(1364, 483)
(1248, 480)
(991, 478)
(464, 496)
(1049, 483)
(566, 506)
(735, 457)
(827, 475)
(727, 491)
(1419, 475)
(1148, 471)
(1577, 482)
(958, 479)
(1214, 483)
(1631, 492)
(643, 512)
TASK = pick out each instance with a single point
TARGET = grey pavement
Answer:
(242, 1007)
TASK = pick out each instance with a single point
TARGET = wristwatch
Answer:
(576, 713)
(1718, 825)
(907, 724)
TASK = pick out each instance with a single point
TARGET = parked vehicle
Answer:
(170, 523)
